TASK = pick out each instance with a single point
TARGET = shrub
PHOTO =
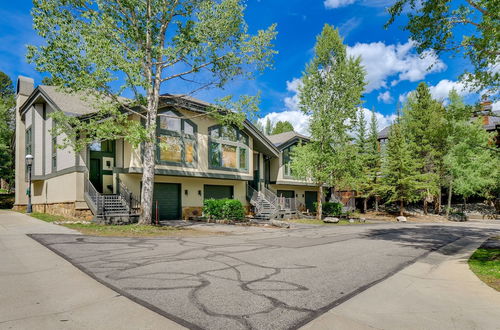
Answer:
(331, 208)
(223, 209)
(233, 210)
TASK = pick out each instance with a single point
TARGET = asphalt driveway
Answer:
(279, 279)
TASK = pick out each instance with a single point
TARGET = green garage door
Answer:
(311, 198)
(217, 192)
(286, 193)
(168, 196)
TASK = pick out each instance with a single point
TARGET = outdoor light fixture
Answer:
(199, 192)
(29, 164)
(185, 192)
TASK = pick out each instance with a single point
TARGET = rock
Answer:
(278, 223)
(457, 217)
(351, 220)
(401, 219)
(362, 219)
(331, 220)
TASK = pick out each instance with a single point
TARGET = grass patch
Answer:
(320, 222)
(134, 230)
(46, 217)
(485, 263)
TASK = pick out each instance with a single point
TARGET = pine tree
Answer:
(424, 124)
(363, 182)
(400, 182)
(282, 127)
(333, 83)
(374, 156)
(269, 127)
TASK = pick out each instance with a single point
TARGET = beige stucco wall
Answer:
(192, 185)
(20, 182)
(59, 189)
(132, 157)
(277, 170)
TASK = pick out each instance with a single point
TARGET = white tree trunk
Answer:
(148, 178)
(319, 208)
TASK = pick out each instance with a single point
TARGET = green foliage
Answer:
(330, 94)
(401, 181)
(469, 28)
(268, 129)
(223, 209)
(425, 129)
(472, 161)
(7, 129)
(282, 127)
(331, 208)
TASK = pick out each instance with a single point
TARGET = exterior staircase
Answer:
(268, 206)
(121, 208)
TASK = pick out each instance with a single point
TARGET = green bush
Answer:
(233, 210)
(223, 209)
(331, 208)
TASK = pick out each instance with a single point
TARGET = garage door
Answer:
(217, 192)
(168, 196)
(286, 193)
(311, 198)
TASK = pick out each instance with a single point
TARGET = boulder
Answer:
(401, 219)
(351, 220)
(278, 223)
(362, 219)
(331, 220)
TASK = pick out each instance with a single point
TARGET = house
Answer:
(204, 160)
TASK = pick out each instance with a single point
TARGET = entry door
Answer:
(168, 196)
(286, 193)
(95, 174)
(311, 198)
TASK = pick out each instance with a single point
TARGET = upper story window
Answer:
(228, 148)
(176, 139)
(287, 160)
(103, 146)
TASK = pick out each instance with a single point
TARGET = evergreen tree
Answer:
(424, 124)
(282, 127)
(401, 181)
(269, 127)
(363, 184)
(333, 83)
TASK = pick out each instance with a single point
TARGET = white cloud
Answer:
(382, 120)
(297, 118)
(385, 97)
(441, 90)
(394, 62)
(292, 102)
(496, 106)
(337, 3)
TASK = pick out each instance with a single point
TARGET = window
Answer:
(176, 139)
(228, 148)
(286, 161)
(54, 153)
(103, 146)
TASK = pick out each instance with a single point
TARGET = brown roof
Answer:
(282, 138)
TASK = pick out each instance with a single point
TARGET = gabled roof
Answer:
(284, 139)
(384, 134)
(71, 104)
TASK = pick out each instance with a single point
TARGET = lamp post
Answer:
(29, 163)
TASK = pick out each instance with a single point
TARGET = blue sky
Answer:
(393, 68)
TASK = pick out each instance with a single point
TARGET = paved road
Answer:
(279, 279)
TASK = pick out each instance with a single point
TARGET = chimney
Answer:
(485, 107)
(25, 86)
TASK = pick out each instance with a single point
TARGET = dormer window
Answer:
(176, 139)
(228, 148)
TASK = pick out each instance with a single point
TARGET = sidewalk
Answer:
(40, 290)
(436, 292)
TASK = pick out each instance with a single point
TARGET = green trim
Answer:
(238, 144)
(138, 170)
(68, 170)
(184, 137)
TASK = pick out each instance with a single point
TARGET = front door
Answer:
(95, 174)
(167, 201)
(311, 198)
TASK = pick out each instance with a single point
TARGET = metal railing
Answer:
(95, 198)
(132, 203)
